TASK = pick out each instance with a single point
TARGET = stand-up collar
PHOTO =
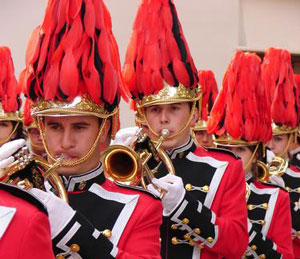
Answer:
(183, 150)
(249, 177)
(84, 181)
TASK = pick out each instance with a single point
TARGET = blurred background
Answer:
(214, 30)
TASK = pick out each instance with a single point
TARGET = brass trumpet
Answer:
(129, 165)
(278, 166)
(30, 171)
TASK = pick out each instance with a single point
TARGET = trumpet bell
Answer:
(122, 164)
(278, 166)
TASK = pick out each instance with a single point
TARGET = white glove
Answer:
(174, 195)
(277, 180)
(8, 149)
(60, 213)
(125, 136)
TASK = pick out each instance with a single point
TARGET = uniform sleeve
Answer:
(228, 228)
(144, 242)
(80, 237)
(278, 242)
(37, 239)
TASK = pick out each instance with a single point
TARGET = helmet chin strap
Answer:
(10, 135)
(250, 161)
(284, 153)
(69, 163)
(186, 125)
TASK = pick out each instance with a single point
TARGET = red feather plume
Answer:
(278, 77)
(9, 88)
(241, 108)
(74, 53)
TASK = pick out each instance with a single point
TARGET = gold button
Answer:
(181, 155)
(174, 241)
(174, 227)
(296, 203)
(262, 222)
(82, 185)
(75, 248)
(250, 207)
(197, 231)
(191, 243)
(253, 247)
(60, 257)
(298, 233)
(159, 240)
(187, 237)
(205, 188)
(185, 221)
(107, 233)
(188, 187)
(210, 239)
(265, 206)
(298, 189)
(262, 256)
(288, 189)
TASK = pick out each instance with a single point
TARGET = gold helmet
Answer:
(158, 67)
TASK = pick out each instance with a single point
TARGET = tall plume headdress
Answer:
(278, 77)
(158, 66)
(241, 113)
(72, 62)
(10, 101)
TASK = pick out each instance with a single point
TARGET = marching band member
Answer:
(209, 88)
(204, 209)
(279, 79)
(74, 81)
(240, 119)
(24, 228)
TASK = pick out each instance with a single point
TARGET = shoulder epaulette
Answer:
(16, 191)
(223, 150)
(137, 188)
(273, 185)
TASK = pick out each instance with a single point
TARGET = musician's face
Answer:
(172, 117)
(36, 142)
(203, 138)
(71, 137)
(6, 128)
(245, 154)
(278, 144)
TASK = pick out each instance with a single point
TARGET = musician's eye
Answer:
(5, 124)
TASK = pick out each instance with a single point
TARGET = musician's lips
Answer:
(67, 157)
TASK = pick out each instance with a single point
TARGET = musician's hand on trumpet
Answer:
(174, 192)
(7, 151)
